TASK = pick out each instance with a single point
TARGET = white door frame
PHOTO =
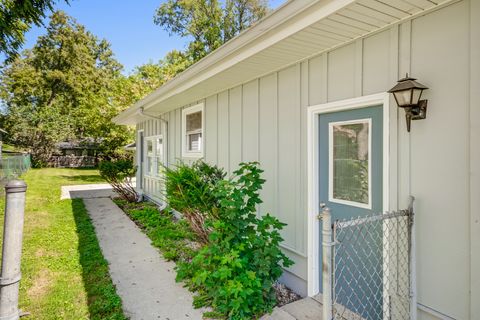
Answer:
(140, 173)
(313, 112)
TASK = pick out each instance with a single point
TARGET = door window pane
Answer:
(350, 159)
(150, 165)
(149, 146)
(159, 147)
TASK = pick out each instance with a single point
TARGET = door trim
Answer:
(313, 236)
(140, 149)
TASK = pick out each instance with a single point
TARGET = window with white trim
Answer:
(154, 156)
(192, 131)
(349, 162)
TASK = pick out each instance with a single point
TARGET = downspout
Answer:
(141, 112)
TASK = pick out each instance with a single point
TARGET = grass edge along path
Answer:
(64, 274)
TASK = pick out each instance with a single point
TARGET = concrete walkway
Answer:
(87, 191)
(144, 280)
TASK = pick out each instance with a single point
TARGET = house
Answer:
(75, 154)
(280, 91)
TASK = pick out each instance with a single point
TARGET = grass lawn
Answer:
(64, 275)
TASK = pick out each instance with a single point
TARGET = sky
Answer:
(127, 25)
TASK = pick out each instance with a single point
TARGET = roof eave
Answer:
(278, 17)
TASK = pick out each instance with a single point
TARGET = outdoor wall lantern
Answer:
(407, 93)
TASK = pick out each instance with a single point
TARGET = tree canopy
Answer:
(69, 85)
(146, 78)
(209, 23)
(16, 17)
(61, 89)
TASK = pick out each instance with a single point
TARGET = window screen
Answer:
(350, 160)
(194, 121)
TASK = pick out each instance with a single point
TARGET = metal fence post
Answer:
(327, 263)
(12, 249)
(412, 260)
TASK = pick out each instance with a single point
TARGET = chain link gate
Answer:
(370, 267)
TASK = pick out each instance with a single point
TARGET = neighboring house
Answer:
(75, 154)
(313, 71)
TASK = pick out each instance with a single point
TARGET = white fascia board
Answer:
(290, 18)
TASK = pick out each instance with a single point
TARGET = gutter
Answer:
(244, 41)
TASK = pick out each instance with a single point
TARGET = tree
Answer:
(62, 89)
(16, 17)
(148, 77)
(209, 23)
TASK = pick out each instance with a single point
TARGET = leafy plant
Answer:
(236, 271)
(119, 174)
(173, 237)
(190, 190)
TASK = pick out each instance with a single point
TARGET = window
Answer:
(349, 162)
(192, 126)
(155, 156)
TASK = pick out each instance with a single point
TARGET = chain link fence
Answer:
(13, 166)
(370, 267)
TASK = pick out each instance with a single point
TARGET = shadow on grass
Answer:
(91, 178)
(103, 301)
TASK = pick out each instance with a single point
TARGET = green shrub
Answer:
(190, 190)
(119, 174)
(174, 238)
(235, 272)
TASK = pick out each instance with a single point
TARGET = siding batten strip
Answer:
(474, 116)
(359, 67)
(324, 88)
(393, 145)
(302, 209)
(403, 136)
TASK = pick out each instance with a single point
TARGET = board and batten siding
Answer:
(152, 187)
(265, 120)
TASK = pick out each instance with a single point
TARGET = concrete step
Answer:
(277, 314)
(305, 309)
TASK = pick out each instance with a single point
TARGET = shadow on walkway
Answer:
(103, 301)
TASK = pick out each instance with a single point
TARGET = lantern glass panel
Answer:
(403, 97)
(417, 93)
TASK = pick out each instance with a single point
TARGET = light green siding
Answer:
(265, 120)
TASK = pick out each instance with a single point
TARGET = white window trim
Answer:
(185, 112)
(313, 232)
(330, 164)
(146, 159)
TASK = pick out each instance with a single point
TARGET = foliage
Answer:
(119, 174)
(62, 90)
(190, 190)
(16, 17)
(148, 77)
(173, 237)
(235, 272)
(64, 274)
(209, 22)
